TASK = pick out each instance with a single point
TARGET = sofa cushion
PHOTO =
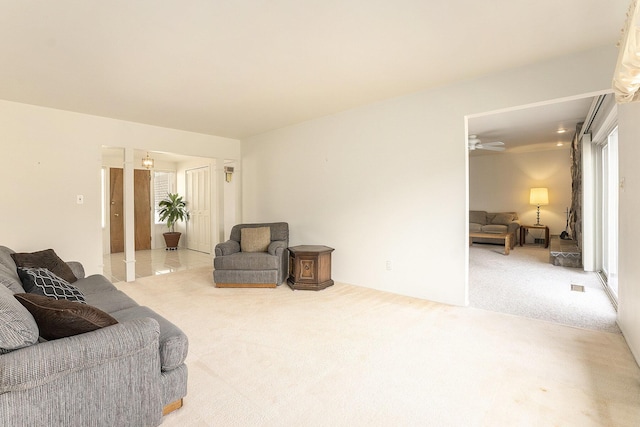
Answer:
(478, 217)
(473, 227)
(17, 326)
(94, 284)
(255, 239)
(45, 259)
(502, 219)
(173, 342)
(111, 301)
(246, 261)
(62, 318)
(43, 282)
(494, 228)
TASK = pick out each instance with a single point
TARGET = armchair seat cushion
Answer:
(247, 261)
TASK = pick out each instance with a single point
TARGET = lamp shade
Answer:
(539, 196)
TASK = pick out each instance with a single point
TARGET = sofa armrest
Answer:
(513, 226)
(107, 377)
(50, 361)
(227, 248)
(77, 269)
(277, 247)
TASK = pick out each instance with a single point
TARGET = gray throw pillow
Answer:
(502, 219)
(255, 239)
(18, 329)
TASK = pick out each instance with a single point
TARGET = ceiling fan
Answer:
(476, 144)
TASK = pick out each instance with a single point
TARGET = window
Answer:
(163, 184)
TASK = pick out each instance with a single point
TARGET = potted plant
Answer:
(172, 210)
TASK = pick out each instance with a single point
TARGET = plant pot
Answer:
(171, 239)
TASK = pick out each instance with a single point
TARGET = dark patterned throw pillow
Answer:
(59, 318)
(43, 282)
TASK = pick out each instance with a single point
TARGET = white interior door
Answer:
(199, 206)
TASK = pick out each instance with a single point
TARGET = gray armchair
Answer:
(261, 262)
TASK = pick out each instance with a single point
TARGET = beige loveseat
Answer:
(482, 222)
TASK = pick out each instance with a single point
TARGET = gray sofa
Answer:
(493, 223)
(126, 374)
(233, 267)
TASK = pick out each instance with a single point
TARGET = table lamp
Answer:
(539, 196)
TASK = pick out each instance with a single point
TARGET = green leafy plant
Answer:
(172, 210)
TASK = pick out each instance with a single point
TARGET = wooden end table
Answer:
(525, 228)
(310, 267)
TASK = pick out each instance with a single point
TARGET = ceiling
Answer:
(239, 68)
(540, 128)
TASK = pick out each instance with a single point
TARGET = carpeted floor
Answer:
(353, 356)
(524, 283)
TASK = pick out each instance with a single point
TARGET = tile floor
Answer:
(154, 262)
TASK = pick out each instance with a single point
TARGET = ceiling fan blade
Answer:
(490, 147)
(493, 144)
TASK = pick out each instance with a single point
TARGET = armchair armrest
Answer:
(277, 247)
(227, 248)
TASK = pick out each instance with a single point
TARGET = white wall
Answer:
(629, 225)
(387, 181)
(49, 156)
(501, 182)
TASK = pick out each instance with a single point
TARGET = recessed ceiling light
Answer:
(561, 130)
(559, 144)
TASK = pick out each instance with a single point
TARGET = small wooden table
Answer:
(523, 232)
(310, 267)
(498, 236)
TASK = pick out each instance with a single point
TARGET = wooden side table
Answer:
(310, 267)
(523, 233)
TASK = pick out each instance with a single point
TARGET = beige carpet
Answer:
(526, 284)
(352, 356)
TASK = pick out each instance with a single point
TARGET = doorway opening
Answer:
(536, 155)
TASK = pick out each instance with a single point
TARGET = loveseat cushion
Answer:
(246, 261)
(494, 228)
(18, 328)
(478, 217)
(173, 342)
(474, 228)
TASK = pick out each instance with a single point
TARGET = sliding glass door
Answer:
(607, 177)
